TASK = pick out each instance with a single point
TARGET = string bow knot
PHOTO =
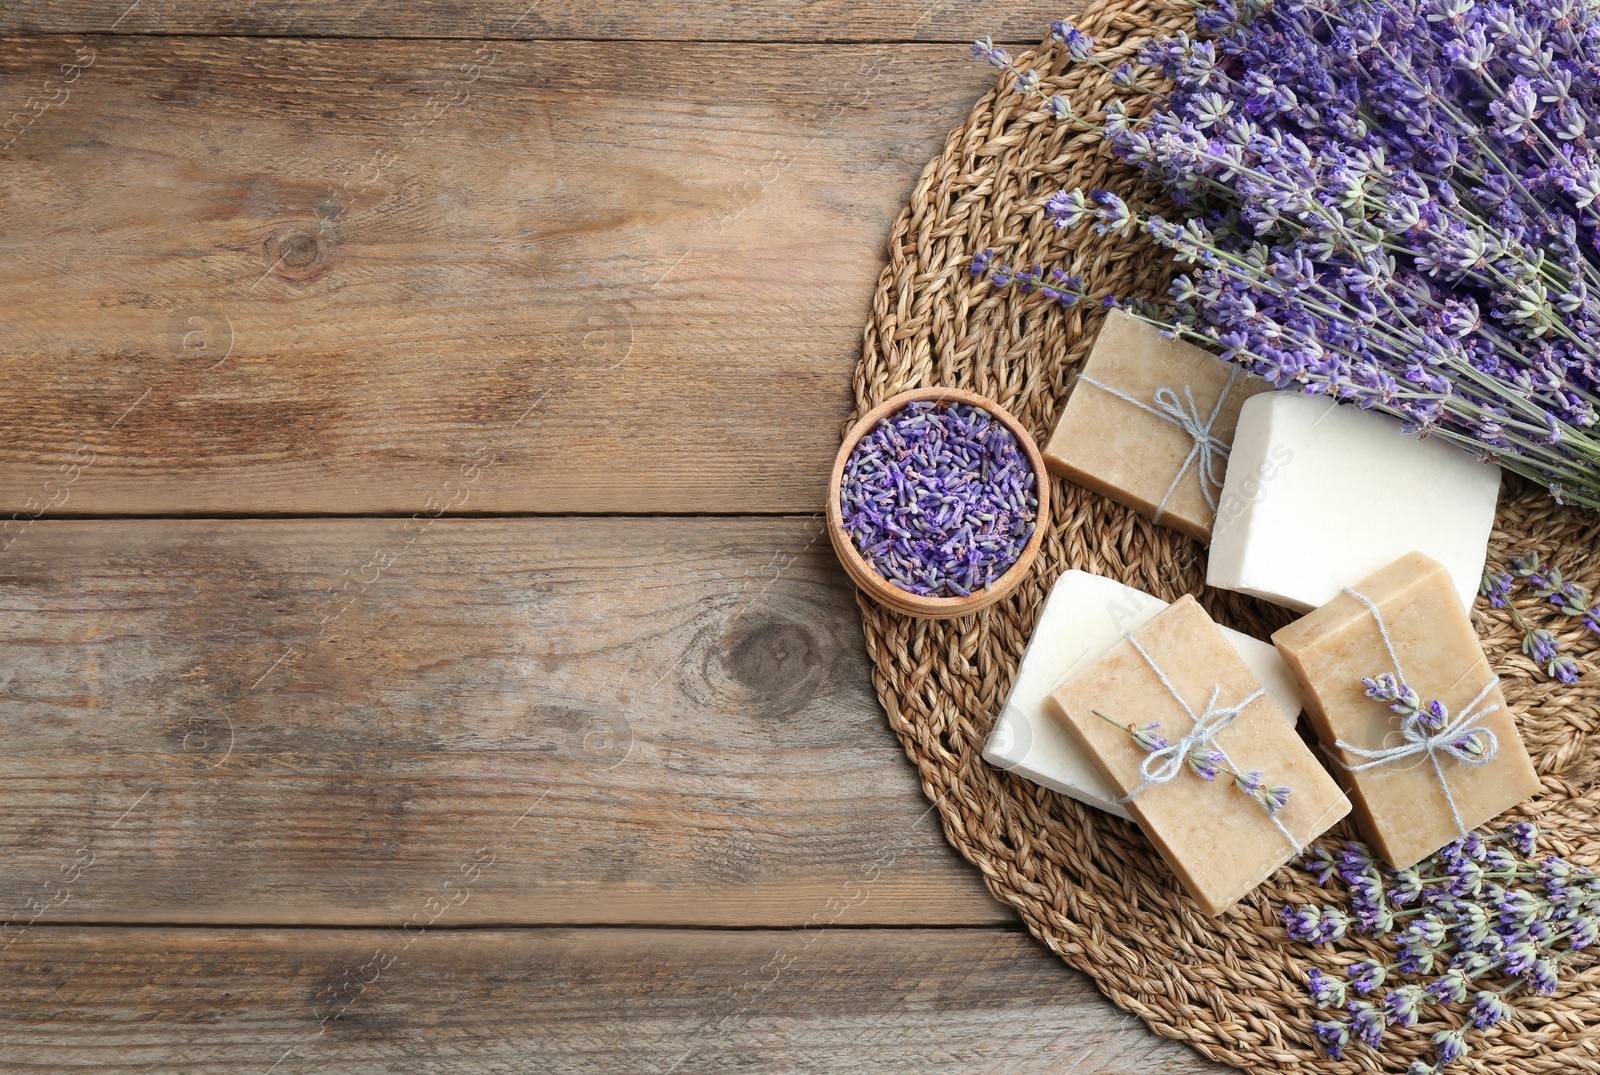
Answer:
(1208, 450)
(1165, 763)
(1461, 738)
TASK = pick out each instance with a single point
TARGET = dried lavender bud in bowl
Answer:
(939, 498)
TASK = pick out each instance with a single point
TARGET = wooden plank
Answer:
(267, 276)
(634, 720)
(685, 20)
(833, 1001)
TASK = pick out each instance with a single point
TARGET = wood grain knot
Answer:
(295, 252)
(776, 659)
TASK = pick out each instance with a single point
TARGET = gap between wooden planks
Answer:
(329, 276)
(275, 722)
(694, 20)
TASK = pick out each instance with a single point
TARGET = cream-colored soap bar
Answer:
(1219, 841)
(1401, 804)
(1319, 495)
(1084, 616)
(1134, 449)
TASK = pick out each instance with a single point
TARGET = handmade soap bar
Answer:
(1148, 424)
(1407, 806)
(1084, 616)
(1180, 671)
(1319, 495)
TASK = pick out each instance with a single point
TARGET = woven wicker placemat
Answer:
(1088, 884)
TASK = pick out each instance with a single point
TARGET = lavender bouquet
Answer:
(1483, 919)
(1392, 202)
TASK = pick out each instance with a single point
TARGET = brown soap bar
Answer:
(1401, 803)
(1220, 841)
(1110, 445)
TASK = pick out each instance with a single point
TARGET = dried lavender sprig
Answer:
(1465, 921)
(1389, 689)
(1548, 582)
(1067, 290)
(1208, 763)
(1292, 134)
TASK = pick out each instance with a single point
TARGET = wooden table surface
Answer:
(419, 647)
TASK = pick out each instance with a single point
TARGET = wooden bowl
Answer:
(881, 589)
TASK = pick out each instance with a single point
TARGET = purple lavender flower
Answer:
(1519, 958)
(1524, 836)
(1365, 888)
(1542, 979)
(1416, 959)
(1427, 930)
(1148, 736)
(1113, 215)
(1354, 862)
(1517, 905)
(1320, 864)
(1399, 697)
(1367, 976)
(1526, 565)
(1406, 887)
(1326, 991)
(1450, 987)
(1080, 46)
(1585, 932)
(986, 50)
(1402, 1004)
(1302, 921)
(1466, 877)
(1366, 1023)
(1334, 1035)
(1205, 762)
(1496, 586)
(1489, 1009)
(1563, 668)
(1332, 927)
(1452, 1045)
(1541, 645)
(1067, 208)
(1276, 797)
(1249, 781)
(1473, 924)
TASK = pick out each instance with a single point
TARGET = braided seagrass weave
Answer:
(1088, 884)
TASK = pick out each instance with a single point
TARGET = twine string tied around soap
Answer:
(1208, 450)
(1164, 764)
(1450, 739)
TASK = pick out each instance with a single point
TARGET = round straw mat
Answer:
(1087, 884)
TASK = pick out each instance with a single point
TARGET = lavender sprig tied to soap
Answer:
(1392, 202)
(1468, 928)
(939, 498)
(1208, 763)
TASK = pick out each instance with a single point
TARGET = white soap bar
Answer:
(1318, 496)
(1084, 617)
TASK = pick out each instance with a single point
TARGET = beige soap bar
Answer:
(1112, 446)
(1401, 804)
(1220, 841)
